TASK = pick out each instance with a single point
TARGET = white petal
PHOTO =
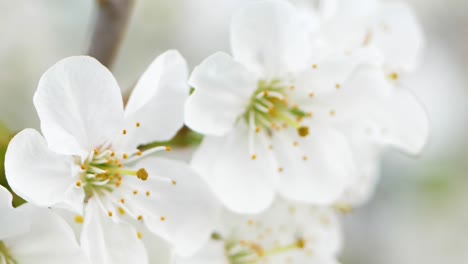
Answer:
(212, 253)
(270, 38)
(157, 101)
(179, 206)
(243, 185)
(159, 251)
(398, 118)
(315, 170)
(35, 173)
(79, 104)
(329, 74)
(12, 222)
(5, 198)
(49, 241)
(398, 35)
(108, 242)
(223, 89)
(366, 155)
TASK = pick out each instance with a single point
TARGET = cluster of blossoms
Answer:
(293, 124)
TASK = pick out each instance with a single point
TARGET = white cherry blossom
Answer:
(391, 29)
(267, 113)
(88, 163)
(32, 235)
(285, 233)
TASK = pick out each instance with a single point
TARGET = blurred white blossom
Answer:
(279, 117)
(32, 235)
(285, 233)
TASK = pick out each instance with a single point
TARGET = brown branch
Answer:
(111, 23)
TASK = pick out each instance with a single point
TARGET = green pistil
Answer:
(250, 253)
(105, 174)
(5, 254)
(269, 109)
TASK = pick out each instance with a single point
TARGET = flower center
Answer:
(270, 109)
(250, 252)
(104, 170)
(5, 256)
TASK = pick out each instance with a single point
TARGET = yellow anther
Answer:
(124, 132)
(137, 124)
(78, 184)
(332, 113)
(96, 152)
(112, 154)
(304, 158)
(83, 167)
(314, 66)
(311, 95)
(168, 148)
(257, 130)
(295, 143)
(393, 76)
(135, 192)
(142, 174)
(253, 157)
(121, 211)
(122, 201)
(139, 153)
(162, 218)
(292, 87)
(300, 243)
(139, 218)
(303, 131)
(343, 208)
(280, 169)
(174, 182)
(124, 155)
(148, 193)
(139, 235)
(79, 219)
(109, 214)
(337, 86)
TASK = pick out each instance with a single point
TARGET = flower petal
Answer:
(329, 74)
(398, 35)
(315, 169)
(212, 252)
(157, 101)
(174, 203)
(79, 104)
(109, 242)
(395, 115)
(270, 38)
(37, 174)
(49, 240)
(5, 198)
(12, 222)
(243, 185)
(223, 89)
(366, 155)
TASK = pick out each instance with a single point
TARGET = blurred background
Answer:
(420, 211)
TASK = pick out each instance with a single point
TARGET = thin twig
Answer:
(111, 23)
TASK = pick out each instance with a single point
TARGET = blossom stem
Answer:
(111, 23)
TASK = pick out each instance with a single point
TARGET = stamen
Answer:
(142, 174)
(303, 131)
(79, 219)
